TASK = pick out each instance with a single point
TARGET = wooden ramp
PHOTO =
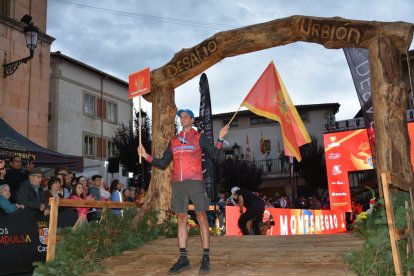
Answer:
(248, 255)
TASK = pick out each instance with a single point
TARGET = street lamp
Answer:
(31, 32)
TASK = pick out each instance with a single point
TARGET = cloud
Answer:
(122, 37)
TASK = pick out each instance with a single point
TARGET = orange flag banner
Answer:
(269, 98)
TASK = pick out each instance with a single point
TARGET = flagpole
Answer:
(234, 116)
(139, 126)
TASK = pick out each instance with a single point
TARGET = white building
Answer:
(249, 126)
(86, 107)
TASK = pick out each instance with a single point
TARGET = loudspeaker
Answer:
(113, 165)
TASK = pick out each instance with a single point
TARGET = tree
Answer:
(244, 174)
(126, 142)
(312, 167)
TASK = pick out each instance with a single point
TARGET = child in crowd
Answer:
(5, 204)
(77, 194)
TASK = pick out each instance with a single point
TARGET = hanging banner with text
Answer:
(292, 221)
(139, 83)
(206, 127)
(358, 61)
(349, 151)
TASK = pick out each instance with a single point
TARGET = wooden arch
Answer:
(386, 41)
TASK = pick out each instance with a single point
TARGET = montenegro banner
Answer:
(283, 222)
(269, 98)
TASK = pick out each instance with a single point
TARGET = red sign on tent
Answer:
(139, 83)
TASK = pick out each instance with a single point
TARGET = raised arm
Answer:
(214, 151)
(161, 163)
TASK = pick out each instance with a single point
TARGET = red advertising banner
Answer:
(139, 83)
(346, 152)
(292, 221)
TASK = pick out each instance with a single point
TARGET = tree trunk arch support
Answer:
(386, 41)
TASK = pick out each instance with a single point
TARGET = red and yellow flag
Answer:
(269, 98)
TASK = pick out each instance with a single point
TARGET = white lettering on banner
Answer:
(41, 249)
(359, 72)
(311, 224)
(334, 155)
(293, 225)
(283, 225)
(336, 169)
(321, 219)
(317, 224)
(338, 194)
(301, 226)
(330, 221)
(327, 222)
(4, 231)
(308, 224)
(337, 182)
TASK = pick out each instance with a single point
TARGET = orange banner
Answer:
(139, 83)
(292, 221)
(345, 152)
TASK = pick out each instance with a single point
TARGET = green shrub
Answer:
(375, 258)
(83, 249)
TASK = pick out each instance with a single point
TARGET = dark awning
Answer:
(13, 143)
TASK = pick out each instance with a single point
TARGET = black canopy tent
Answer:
(13, 143)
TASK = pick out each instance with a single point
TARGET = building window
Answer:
(111, 113)
(256, 120)
(88, 145)
(101, 147)
(89, 105)
(5, 8)
(234, 123)
(111, 149)
(304, 117)
(266, 144)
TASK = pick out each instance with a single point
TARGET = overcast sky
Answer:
(122, 37)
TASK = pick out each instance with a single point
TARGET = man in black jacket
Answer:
(255, 208)
(15, 176)
(31, 194)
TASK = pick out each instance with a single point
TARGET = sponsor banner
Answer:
(292, 221)
(23, 238)
(346, 152)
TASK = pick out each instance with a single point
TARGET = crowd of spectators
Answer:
(284, 201)
(28, 187)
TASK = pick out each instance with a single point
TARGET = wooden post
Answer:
(163, 129)
(390, 220)
(139, 126)
(390, 100)
(51, 238)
